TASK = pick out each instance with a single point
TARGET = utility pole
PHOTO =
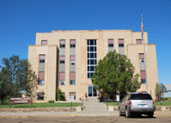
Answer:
(142, 38)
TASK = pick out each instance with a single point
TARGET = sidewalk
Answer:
(66, 114)
(162, 113)
(49, 114)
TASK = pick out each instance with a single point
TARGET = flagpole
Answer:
(142, 38)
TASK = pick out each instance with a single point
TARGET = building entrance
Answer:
(92, 91)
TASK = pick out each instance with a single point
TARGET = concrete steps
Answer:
(93, 106)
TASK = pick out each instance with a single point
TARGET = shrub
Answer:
(51, 101)
(60, 95)
(164, 99)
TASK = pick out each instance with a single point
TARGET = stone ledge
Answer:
(158, 108)
(56, 109)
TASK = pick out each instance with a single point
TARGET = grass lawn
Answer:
(112, 103)
(40, 105)
(165, 103)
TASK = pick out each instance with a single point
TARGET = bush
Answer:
(60, 95)
(164, 99)
(51, 101)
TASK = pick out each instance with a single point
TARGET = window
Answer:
(42, 58)
(61, 76)
(72, 62)
(72, 82)
(91, 57)
(40, 95)
(43, 42)
(121, 42)
(72, 78)
(72, 59)
(89, 74)
(61, 82)
(72, 43)
(91, 68)
(138, 41)
(143, 80)
(140, 97)
(91, 42)
(62, 59)
(110, 43)
(92, 61)
(141, 57)
(72, 94)
(62, 43)
(142, 75)
(41, 78)
(91, 49)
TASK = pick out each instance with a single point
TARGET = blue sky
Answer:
(21, 19)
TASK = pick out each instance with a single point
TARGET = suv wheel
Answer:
(151, 114)
(127, 113)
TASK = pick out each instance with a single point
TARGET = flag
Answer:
(142, 24)
(142, 27)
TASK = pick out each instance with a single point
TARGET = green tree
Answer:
(28, 81)
(157, 92)
(5, 84)
(15, 76)
(162, 89)
(115, 75)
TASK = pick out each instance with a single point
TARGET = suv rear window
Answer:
(140, 97)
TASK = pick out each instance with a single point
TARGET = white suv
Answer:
(137, 103)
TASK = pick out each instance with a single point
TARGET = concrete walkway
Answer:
(94, 107)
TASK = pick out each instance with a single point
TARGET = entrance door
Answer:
(92, 91)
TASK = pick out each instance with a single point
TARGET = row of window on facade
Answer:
(73, 43)
(61, 78)
(62, 59)
(41, 74)
(71, 77)
(121, 42)
(91, 57)
(142, 70)
(62, 43)
(41, 69)
(41, 95)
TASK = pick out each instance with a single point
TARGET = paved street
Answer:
(160, 119)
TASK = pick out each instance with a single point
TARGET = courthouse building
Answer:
(67, 59)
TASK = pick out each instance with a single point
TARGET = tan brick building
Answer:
(67, 59)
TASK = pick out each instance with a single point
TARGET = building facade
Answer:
(67, 60)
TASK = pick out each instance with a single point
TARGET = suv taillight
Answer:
(130, 103)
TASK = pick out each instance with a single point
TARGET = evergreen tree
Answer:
(115, 75)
